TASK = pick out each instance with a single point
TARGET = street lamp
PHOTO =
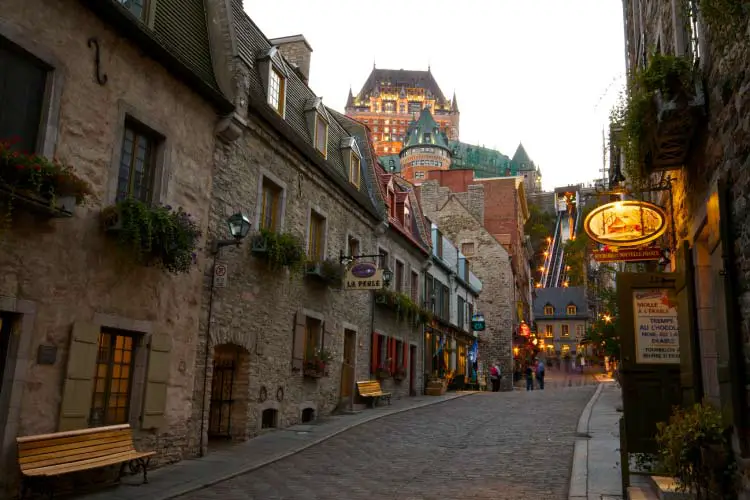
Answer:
(239, 227)
(387, 277)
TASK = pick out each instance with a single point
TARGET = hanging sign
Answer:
(363, 276)
(629, 223)
(524, 330)
(477, 322)
(657, 339)
(627, 255)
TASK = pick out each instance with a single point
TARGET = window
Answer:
(399, 276)
(579, 332)
(467, 249)
(565, 331)
(549, 310)
(313, 337)
(461, 309)
(430, 299)
(136, 7)
(415, 287)
(113, 379)
(321, 135)
(446, 311)
(353, 246)
(400, 361)
(355, 170)
(137, 158)
(439, 244)
(316, 237)
(565, 349)
(22, 89)
(270, 210)
(407, 218)
(419, 175)
(571, 310)
(427, 137)
(277, 91)
(384, 257)
(548, 331)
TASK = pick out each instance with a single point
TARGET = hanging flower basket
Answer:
(279, 249)
(154, 236)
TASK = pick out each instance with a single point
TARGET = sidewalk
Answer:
(226, 462)
(596, 470)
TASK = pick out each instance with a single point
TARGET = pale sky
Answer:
(541, 72)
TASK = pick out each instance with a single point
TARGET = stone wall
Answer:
(62, 271)
(720, 150)
(297, 51)
(490, 263)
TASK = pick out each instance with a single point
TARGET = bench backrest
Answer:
(60, 448)
(369, 387)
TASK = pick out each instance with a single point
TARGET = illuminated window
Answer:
(321, 135)
(419, 175)
(571, 310)
(549, 310)
(565, 332)
(548, 331)
(277, 91)
(579, 332)
(113, 379)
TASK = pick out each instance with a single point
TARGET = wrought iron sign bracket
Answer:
(101, 78)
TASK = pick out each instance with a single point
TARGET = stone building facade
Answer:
(561, 319)
(308, 179)
(86, 81)
(460, 217)
(710, 188)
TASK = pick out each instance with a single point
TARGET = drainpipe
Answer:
(207, 350)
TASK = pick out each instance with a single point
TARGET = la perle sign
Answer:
(363, 276)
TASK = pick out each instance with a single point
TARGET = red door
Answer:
(412, 370)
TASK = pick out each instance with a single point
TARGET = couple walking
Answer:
(535, 369)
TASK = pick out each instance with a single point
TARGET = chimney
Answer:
(297, 51)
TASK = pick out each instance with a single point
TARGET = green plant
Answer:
(282, 249)
(636, 115)
(403, 305)
(723, 16)
(154, 235)
(694, 449)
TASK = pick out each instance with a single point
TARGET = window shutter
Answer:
(393, 355)
(374, 353)
(403, 359)
(157, 377)
(79, 377)
(298, 342)
(691, 377)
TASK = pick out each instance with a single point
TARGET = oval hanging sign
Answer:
(629, 223)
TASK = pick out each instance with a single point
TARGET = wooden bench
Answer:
(45, 457)
(372, 389)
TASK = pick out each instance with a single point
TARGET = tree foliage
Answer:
(603, 332)
(540, 225)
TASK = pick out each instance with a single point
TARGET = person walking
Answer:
(540, 374)
(495, 375)
(529, 377)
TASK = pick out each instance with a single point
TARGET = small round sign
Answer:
(364, 270)
(220, 270)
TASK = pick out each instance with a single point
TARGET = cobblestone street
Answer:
(514, 446)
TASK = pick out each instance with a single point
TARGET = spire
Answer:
(454, 103)
(350, 99)
(521, 158)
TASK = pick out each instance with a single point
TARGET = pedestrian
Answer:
(495, 374)
(540, 374)
(529, 377)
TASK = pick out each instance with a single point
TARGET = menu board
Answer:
(657, 335)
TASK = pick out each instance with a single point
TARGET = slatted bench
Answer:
(371, 389)
(45, 457)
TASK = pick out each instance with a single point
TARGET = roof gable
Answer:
(425, 132)
(560, 298)
(401, 78)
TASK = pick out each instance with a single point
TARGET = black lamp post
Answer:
(239, 227)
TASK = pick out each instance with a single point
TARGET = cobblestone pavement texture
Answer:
(500, 446)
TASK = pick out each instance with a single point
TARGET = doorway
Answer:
(347, 367)
(5, 331)
(227, 417)
(412, 370)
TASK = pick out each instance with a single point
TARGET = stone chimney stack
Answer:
(297, 51)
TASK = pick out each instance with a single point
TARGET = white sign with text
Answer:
(657, 333)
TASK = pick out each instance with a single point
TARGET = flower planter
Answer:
(314, 372)
(436, 387)
(328, 272)
(31, 201)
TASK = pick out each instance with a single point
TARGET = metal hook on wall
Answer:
(101, 78)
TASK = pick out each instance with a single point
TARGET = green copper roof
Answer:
(521, 159)
(390, 163)
(485, 162)
(425, 132)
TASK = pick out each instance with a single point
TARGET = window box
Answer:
(315, 369)
(279, 249)
(404, 307)
(39, 184)
(436, 387)
(154, 236)
(328, 271)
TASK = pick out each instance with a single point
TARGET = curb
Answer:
(579, 473)
(287, 454)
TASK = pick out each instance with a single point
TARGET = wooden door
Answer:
(412, 370)
(347, 367)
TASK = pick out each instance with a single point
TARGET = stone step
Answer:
(641, 493)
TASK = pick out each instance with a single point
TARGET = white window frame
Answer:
(318, 119)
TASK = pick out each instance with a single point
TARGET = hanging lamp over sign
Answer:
(477, 322)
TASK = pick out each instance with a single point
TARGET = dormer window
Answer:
(274, 77)
(352, 160)
(407, 218)
(277, 91)
(549, 310)
(321, 135)
(355, 166)
(136, 7)
(572, 310)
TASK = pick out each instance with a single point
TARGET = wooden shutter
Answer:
(298, 341)
(404, 359)
(157, 378)
(690, 358)
(393, 354)
(78, 390)
(374, 353)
